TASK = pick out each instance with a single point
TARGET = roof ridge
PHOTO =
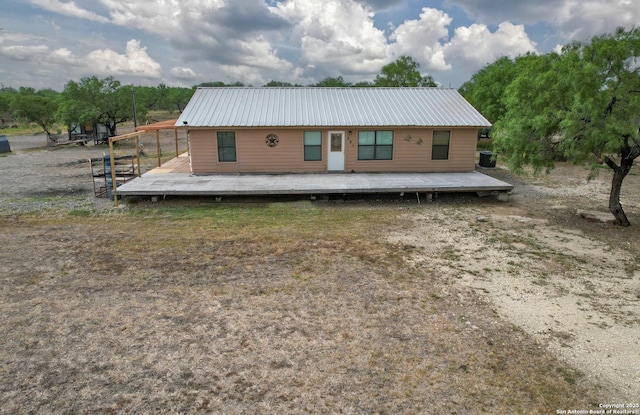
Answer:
(363, 88)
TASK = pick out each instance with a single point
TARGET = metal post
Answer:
(138, 153)
(113, 173)
(133, 103)
(158, 147)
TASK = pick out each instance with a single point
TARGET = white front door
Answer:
(335, 147)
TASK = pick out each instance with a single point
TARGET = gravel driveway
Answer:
(34, 177)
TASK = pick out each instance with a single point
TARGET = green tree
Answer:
(485, 90)
(5, 103)
(220, 84)
(177, 98)
(330, 82)
(280, 84)
(37, 107)
(404, 72)
(92, 100)
(583, 104)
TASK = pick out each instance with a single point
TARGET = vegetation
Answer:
(404, 72)
(486, 87)
(580, 105)
(37, 107)
(330, 82)
(108, 102)
(102, 101)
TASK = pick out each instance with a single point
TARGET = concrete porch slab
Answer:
(153, 184)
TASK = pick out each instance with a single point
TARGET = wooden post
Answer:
(113, 173)
(138, 154)
(158, 147)
(176, 132)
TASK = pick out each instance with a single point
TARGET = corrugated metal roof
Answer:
(329, 107)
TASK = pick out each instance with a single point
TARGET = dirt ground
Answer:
(462, 305)
(572, 284)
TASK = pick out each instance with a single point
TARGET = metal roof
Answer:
(329, 107)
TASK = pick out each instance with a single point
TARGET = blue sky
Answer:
(46, 43)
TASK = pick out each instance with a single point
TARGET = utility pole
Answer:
(133, 102)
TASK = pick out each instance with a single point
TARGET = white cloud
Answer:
(581, 20)
(183, 73)
(300, 41)
(337, 35)
(23, 52)
(135, 61)
(422, 38)
(247, 74)
(64, 57)
(475, 46)
(258, 53)
(103, 62)
(161, 17)
(573, 19)
(470, 48)
(69, 9)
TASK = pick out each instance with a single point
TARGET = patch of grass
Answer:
(25, 129)
(571, 376)
(81, 212)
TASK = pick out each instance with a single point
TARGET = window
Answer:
(440, 147)
(312, 146)
(226, 146)
(375, 145)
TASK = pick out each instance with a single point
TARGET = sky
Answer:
(47, 43)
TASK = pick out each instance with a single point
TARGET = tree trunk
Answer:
(112, 126)
(619, 173)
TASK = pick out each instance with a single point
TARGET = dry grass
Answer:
(273, 308)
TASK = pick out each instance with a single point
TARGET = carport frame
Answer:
(163, 125)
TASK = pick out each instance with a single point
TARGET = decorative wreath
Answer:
(272, 140)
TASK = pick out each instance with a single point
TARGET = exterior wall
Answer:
(252, 153)
(411, 151)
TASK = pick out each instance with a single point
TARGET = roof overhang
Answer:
(161, 125)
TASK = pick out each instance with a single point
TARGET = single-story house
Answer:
(311, 130)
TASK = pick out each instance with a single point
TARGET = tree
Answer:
(485, 90)
(94, 100)
(280, 84)
(177, 98)
(330, 82)
(37, 107)
(363, 84)
(6, 96)
(404, 72)
(583, 104)
(220, 84)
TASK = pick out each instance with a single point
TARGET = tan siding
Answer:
(253, 154)
(462, 151)
(411, 152)
(203, 151)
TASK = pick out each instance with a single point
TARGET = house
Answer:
(320, 130)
